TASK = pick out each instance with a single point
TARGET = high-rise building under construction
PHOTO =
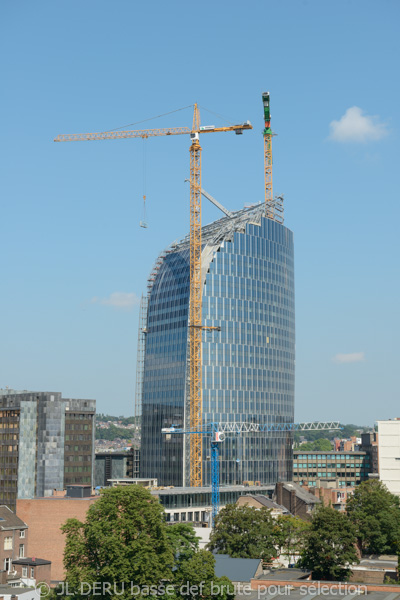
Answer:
(247, 362)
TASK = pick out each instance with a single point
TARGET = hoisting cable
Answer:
(143, 222)
(150, 119)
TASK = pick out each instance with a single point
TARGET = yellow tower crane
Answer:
(195, 312)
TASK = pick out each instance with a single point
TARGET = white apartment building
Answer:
(389, 454)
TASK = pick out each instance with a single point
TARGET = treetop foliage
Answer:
(330, 545)
(183, 541)
(375, 513)
(244, 532)
(125, 542)
(321, 444)
(123, 539)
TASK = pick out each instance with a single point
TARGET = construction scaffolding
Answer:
(141, 348)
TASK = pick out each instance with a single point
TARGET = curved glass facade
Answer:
(248, 366)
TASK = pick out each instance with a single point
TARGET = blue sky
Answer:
(73, 258)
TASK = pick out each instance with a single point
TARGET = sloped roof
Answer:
(301, 493)
(269, 503)
(9, 520)
(236, 569)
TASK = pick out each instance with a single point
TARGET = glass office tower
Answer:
(248, 365)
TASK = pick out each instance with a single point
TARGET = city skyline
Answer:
(74, 259)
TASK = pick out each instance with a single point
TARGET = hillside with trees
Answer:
(316, 440)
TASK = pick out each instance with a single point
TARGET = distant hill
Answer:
(110, 428)
(346, 432)
(123, 420)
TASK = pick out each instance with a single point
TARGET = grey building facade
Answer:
(248, 363)
(116, 465)
(46, 443)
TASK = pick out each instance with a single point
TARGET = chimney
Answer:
(293, 507)
(279, 492)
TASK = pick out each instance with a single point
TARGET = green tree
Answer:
(375, 512)
(290, 535)
(123, 540)
(196, 580)
(330, 545)
(183, 541)
(321, 444)
(125, 545)
(244, 532)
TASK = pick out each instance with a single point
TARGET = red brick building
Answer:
(297, 500)
(44, 516)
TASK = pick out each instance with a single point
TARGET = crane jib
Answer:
(144, 133)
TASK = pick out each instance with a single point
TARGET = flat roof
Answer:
(132, 479)
(332, 452)
(32, 562)
(319, 593)
(207, 490)
(285, 575)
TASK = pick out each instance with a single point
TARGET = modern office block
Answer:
(248, 363)
(46, 443)
(347, 468)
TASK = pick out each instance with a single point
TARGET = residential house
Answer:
(297, 500)
(13, 538)
(262, 502)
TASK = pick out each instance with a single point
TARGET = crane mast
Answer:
(195, 309)
(269, 201)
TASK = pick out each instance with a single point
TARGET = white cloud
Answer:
(349, 358)
(119, 300)
(355, 126)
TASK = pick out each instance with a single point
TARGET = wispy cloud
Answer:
(349, 358)
(120, 300)
(355, 126)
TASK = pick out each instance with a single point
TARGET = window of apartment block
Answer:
(7, 564)
(21, 551)
(8, 543)
(24, 571)
(22, 533)
(32, 573)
